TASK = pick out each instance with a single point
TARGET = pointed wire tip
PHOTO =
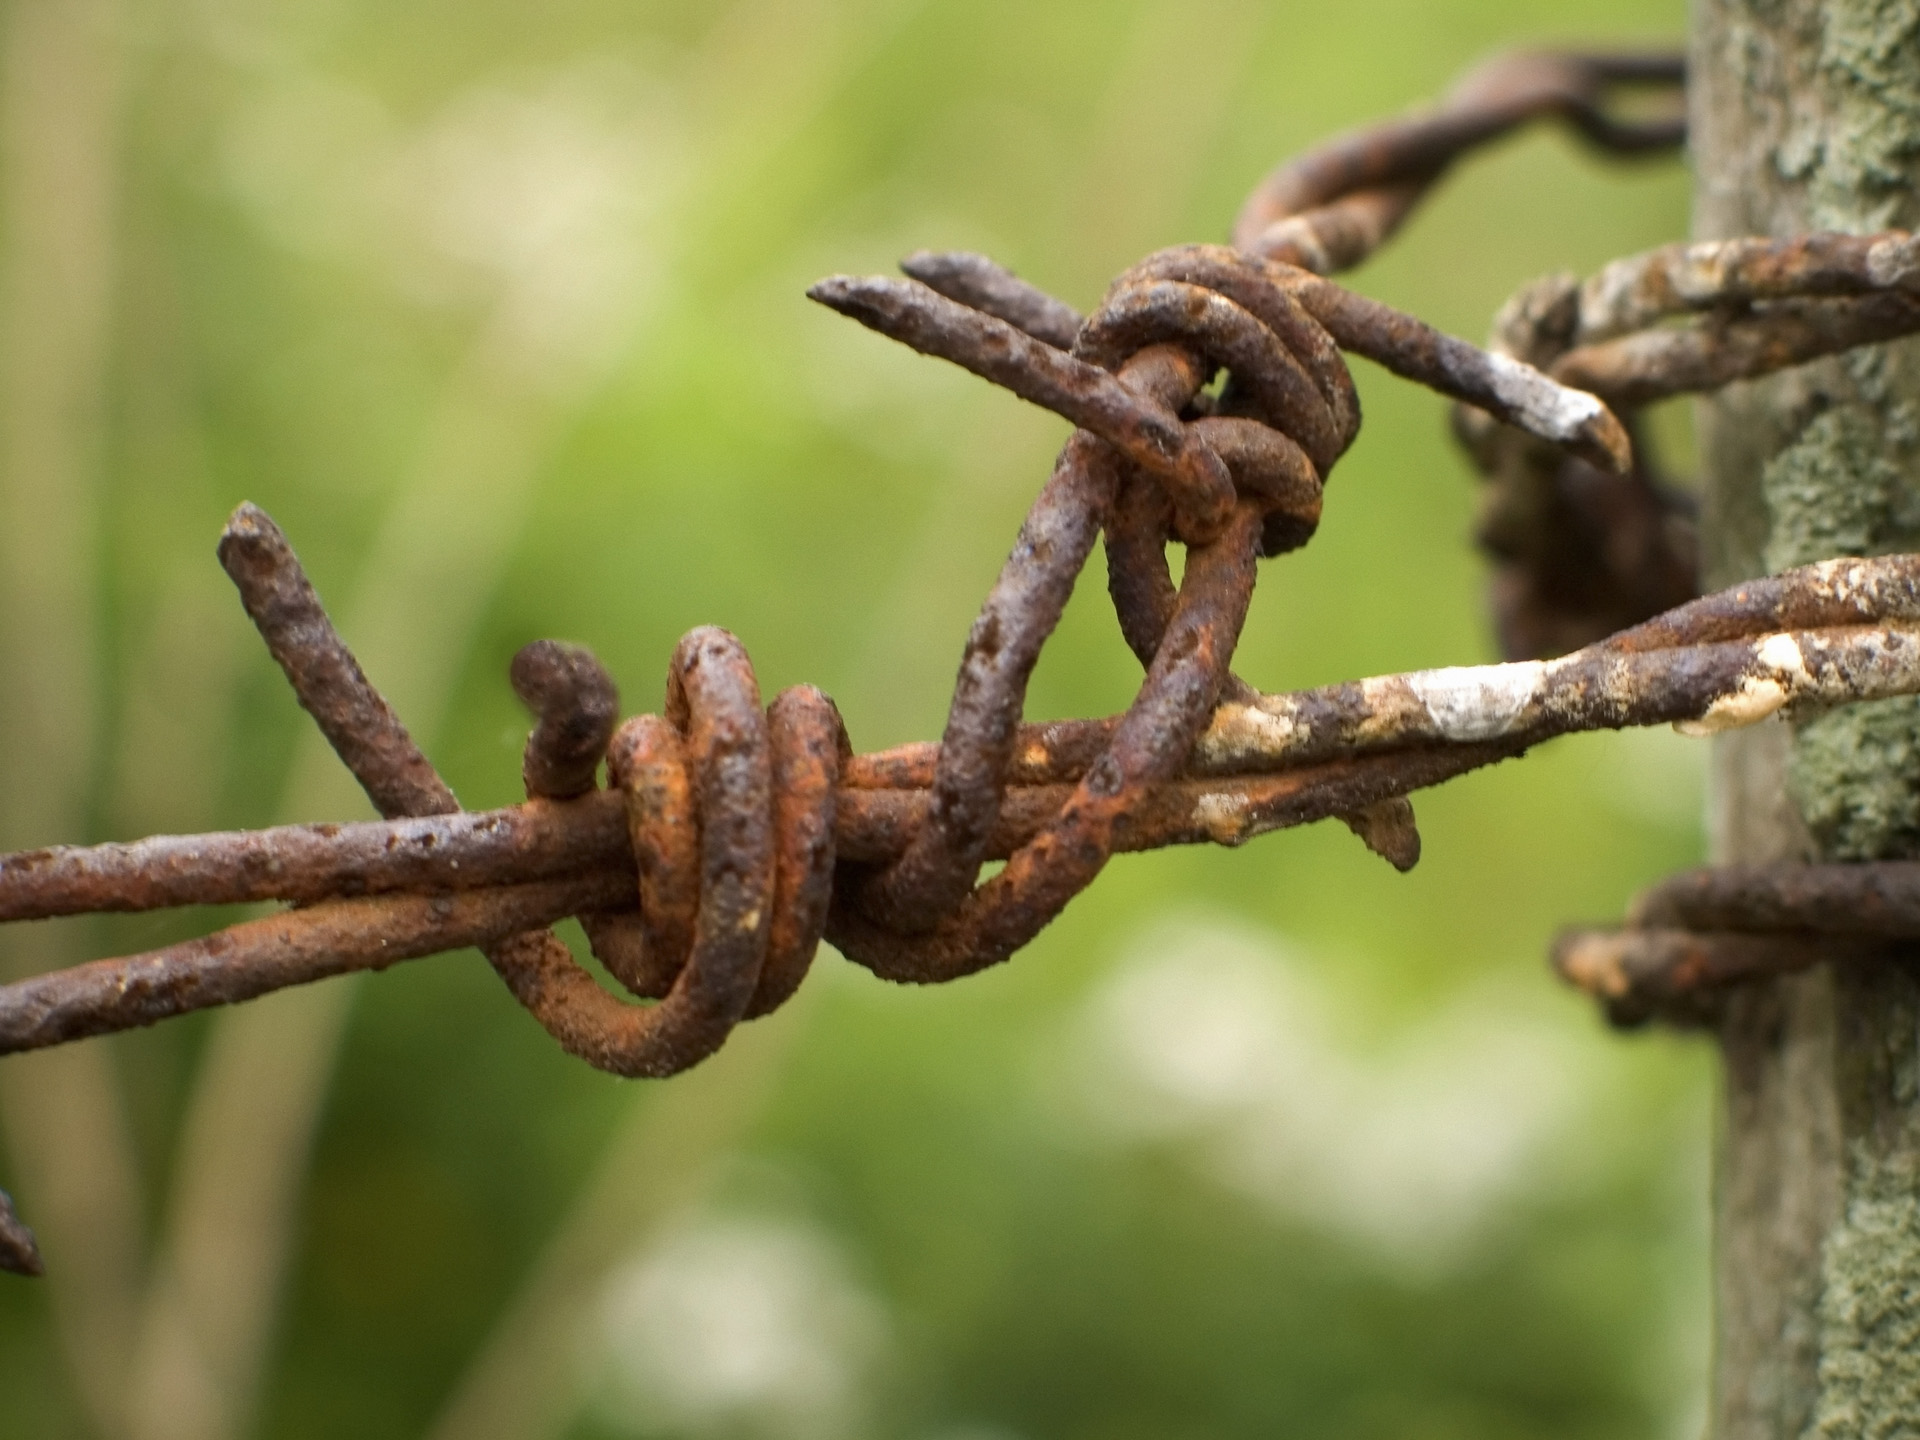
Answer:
(928, 266)
(869, 298)
(840, 292)
(1604, 441)
(247, 530)
(903, 310)
(247, 519)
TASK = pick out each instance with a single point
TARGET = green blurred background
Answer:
(497, 307)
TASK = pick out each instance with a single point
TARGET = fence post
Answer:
(1805, 115)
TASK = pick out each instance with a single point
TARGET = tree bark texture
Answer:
(1806, 116)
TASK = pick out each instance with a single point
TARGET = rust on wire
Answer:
(1331, 208)
(1579, 555)
(732, 836)
(376, 893)
(326, 679)
(1695, 935)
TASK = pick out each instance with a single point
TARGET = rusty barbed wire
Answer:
(1331, 208)
(731, 839)
(378, 893)
(1694, 936)
(1579, 553)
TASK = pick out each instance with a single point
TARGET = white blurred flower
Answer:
(1195, 1025)
(1217, 1035)
(737, 1326)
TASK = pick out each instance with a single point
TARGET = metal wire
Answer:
(1578, 553)
(732, 838)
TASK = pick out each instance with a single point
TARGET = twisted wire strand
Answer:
(1144, 469)
(1579, 555)
(1840, 631)
(1329, 209)
(1161, 341)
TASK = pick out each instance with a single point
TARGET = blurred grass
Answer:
(537, 273)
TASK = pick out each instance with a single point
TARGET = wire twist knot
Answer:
(731, 810)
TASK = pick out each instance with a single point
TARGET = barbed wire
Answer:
(731, 838)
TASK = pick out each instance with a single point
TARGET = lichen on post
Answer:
(1805, 115)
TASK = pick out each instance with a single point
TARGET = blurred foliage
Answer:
(497, 308)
